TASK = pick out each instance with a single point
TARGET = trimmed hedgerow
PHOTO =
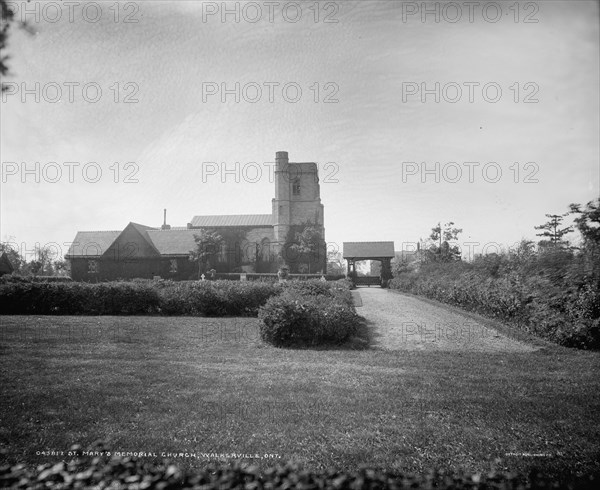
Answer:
(200, 298)
(291, 320)
(215, 298)
(78, 299)
(15, 278)
(89, 471)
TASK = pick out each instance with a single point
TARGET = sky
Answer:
(415, 113)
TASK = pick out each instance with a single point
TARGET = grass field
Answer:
(156, 384)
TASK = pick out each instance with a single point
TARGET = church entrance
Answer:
(383, 252)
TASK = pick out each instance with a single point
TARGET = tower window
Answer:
(296, 187)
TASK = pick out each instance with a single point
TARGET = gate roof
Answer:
(367, 250)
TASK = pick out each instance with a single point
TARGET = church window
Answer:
(173, 266)
(93, 267)
(222, 256)
(296, 187)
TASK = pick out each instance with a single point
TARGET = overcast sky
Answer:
(361, 115)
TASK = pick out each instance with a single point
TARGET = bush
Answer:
(310, 287)
(11, 278)
(78, 299)
(290, 320)
(149, 297)
(198, 298)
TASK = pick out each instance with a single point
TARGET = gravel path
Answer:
(402, 322)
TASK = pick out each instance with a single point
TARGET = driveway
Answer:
(403, 322)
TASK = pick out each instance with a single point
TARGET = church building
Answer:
(253, 242)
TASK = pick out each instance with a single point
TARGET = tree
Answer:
(13, 256)
(588, 221)
(309, 244)
(44, 259)
(335, 263)
(62, 267)
(304, 246)
(553, 231)
(588, 224)
(7, 18)
(208, 244)
(440, 250)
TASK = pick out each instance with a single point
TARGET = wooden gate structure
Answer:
(382, 251)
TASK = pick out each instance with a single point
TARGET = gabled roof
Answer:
(166, 242)
(173, 242)
(366, 250)
(91, 243)
(218, 221)
(96, 243)
(143, 231)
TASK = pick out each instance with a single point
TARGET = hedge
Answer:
(14, 278)
(309, 314)
(200, 298)
(146, 297)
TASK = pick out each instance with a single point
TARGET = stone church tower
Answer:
(297, 197)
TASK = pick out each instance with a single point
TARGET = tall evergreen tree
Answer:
(554, 231)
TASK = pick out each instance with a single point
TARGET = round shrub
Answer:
(295, 321)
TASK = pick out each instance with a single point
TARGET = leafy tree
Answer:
(235, 251)
(588, 224)
(13, 256)
(208, 245)
(7, 18)
(309, 244)
(335, 262)
(304, 246)
(588, 221)
(6, 21)
(441, 250)
(553, 231)
(62, 267)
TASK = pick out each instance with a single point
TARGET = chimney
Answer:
(165, 226)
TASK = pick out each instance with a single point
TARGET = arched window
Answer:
(265, 250)
(296, 187)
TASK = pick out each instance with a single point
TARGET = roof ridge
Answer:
(236, 214)
(99, 231)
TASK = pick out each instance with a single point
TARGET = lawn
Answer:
(182, 384)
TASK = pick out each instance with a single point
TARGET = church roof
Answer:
(218, 221)
(366, 250)
(173, 242)
(92, 243)
(178, 241)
